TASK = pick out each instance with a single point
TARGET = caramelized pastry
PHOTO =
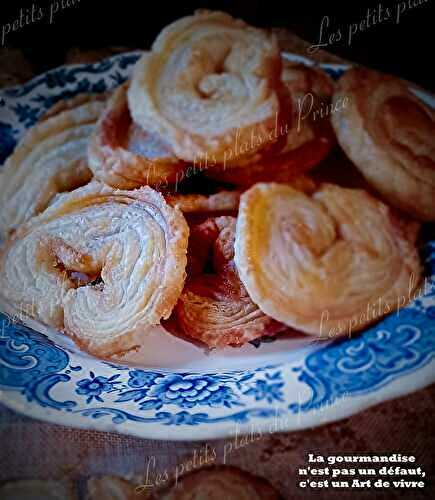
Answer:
(112, 488)
(307, 136)
(221, 482)
(101, 264)
(388, 132)
(311, 91)
(328, 264)
(73, 102)
(222, 201)
(208, 85)
(50, 159)
(215, 308)
(124, 155)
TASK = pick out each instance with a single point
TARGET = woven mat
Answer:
(31, 449)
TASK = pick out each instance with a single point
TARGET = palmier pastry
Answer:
(215, 308)
(113, 488)
(33, 489)
(222, 201)
(209, 83)
(103, 265)
(328, 264)
(124, 155)
(73, 102)
(51, 158)
(388, 132)
(221, 482)
(306, 138)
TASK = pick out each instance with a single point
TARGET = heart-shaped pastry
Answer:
(389, 133)
(124, 155)
(304, 140)
(50, 159)
(327, 264)
(101, 264)
(209, 83)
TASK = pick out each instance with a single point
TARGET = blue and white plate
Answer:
(172, 389)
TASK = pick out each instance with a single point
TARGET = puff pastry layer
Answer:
(113, 488)
(389, 134)
(328, 264)
(208, 84)
(305, 139)
(51, 158)
(215, 308)
(222, 201)
(124, 155)
(99, 263)
(74, 102)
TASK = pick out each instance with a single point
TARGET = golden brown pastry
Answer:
(215, 308)
(73, 102)
(124, 155)
(101, 264)
(329, 264)
(222, 201)
(37, 490)
(305, 139)
(389, 134)
(311, 91)
(301, 80)
(112, 488)
(221, 482)
(50, 159)
(208, 85)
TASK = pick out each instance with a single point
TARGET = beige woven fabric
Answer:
(31, 449)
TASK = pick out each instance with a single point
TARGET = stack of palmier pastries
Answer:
(183, 197)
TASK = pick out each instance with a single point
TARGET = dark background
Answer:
(404, 49)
